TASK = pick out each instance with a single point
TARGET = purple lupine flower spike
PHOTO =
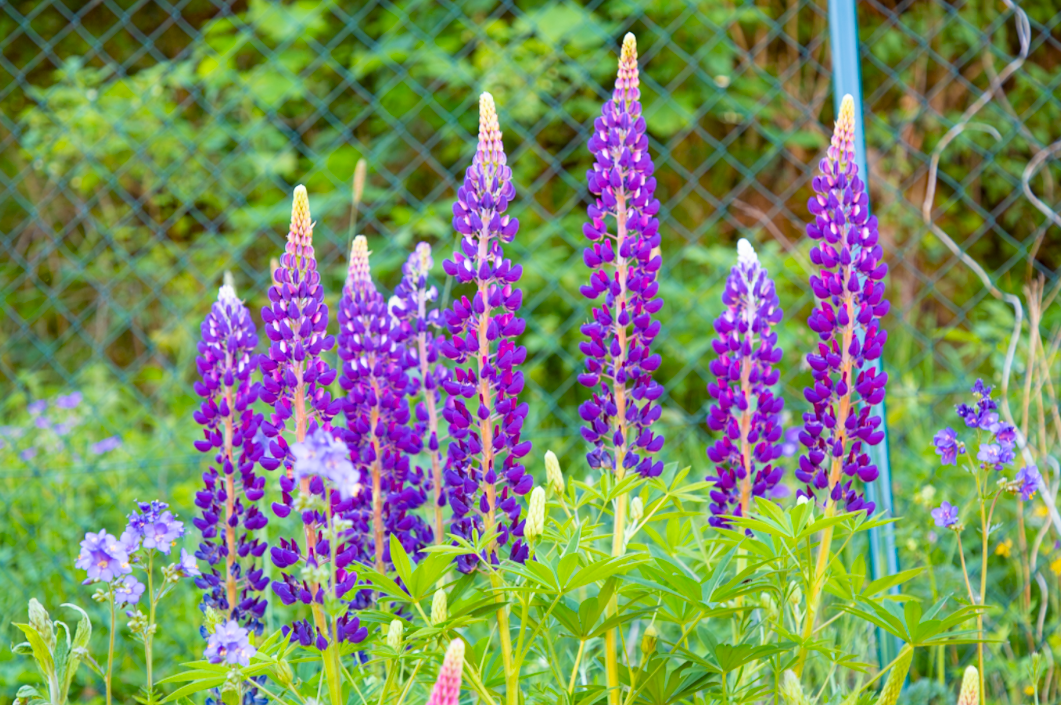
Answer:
(230, 513)
(295, 377)
(850, 290)
(487, 447)
(375, 361)
(619, 360)
(294, 381)
(747, 411)
(410, 304)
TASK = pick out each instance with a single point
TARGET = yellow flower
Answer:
(1055, 566)
(1041, 512)
(1004, 548)
(1029, 691)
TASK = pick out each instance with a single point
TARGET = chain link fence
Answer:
(147, 147)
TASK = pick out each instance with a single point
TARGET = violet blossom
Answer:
(128, 590)
(410, 304)
(153, 527)
(998, 439)
(229, 500)
(1028, 480)
(372, 347)
(619, 360)
(103, 557)
(945, 516)
(229, 644)
(948, 446)
(747, 411)
(487, 446)
(850, 290)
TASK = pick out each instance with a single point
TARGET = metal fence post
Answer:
(847, 80)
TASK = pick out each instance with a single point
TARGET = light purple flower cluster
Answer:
(850, 289)
(747, 412)
(230, 513)
(230, 644)
(410, 304)
(374, 364)
(487, 446)
(330, 490)
(295, 376)
(110, 560)
(997, 450)
(619, 360)
(945, 516)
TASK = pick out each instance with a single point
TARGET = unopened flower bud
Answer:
(535, 515)
(795, 597)
(41, 622)
(284, 675)
(554, 478)
(394, 634)
(791, 690)
(637, 510)
(648, 640)
(970, 692)
(894, 685)
(439, 611)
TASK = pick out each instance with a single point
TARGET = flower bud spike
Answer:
(970, 692)
(448, 684)
(553, 475)
(894, 685)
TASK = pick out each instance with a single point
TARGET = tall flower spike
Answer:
(850, 289)
(295, 377)
(486, 446)
(410, 304)
(747, 411)
(447, 688)
(619, 361)
(374, 364)
(230, 513)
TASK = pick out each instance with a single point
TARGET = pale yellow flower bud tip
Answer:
(359, 271)
(970, 692)
(629, 52)
(487, 114)
(847, 112)
(301, 224)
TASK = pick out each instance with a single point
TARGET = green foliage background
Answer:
(146, 148)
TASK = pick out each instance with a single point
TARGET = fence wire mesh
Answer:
(146, 147)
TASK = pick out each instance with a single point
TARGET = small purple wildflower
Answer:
(42, 422)
(127, 591)
(153, 527)
(36, 408)
(105, 446)
(948, 446)
(229, 644)
(1029, 478)
(68, 401)
(186, 567)
(847, 319)
(995, 455)
(325, 456)
(28, 454)
(747, 411)
(945, 515)
(103, 557)
(619, 362)
(487, 446)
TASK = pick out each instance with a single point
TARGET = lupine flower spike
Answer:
(487, 447)
(747, 411)
(230, 513)
(372, 350)
(410, 303)
(896, 677)
(619, 361)
(850, 289)
(447, 688)
(970, 692)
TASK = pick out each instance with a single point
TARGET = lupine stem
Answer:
(110, 652)
(432, 417)
(503, 629)
(230, 495)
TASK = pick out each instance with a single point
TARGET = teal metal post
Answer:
(847, 80)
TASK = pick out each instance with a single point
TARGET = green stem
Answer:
(110, 652)
(574, 671)
(150, 633)
(611, 637)
(511, 673)
(816, 585)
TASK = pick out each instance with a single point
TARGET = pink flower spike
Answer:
(448, 686)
